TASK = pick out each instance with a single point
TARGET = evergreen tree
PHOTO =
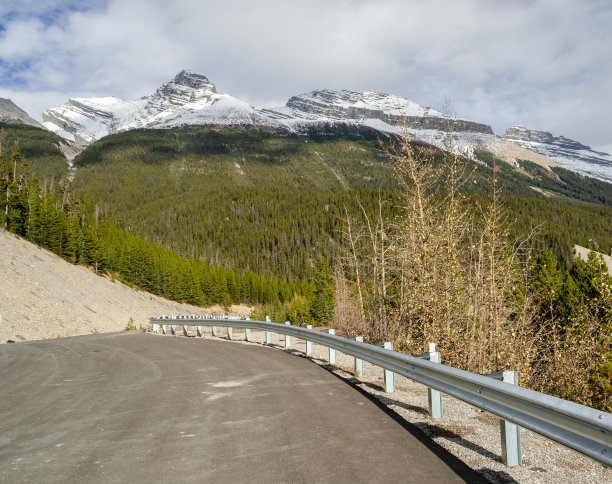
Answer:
(322, 303)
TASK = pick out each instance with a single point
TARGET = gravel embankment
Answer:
(467, 432)
(43, 296)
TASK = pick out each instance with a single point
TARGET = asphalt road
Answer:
(135, 407)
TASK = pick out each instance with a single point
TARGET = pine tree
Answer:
(322, 304)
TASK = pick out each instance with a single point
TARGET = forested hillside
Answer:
(271, 201)
(39, 149)
(49, 214)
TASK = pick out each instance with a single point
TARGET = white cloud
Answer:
(543, 63)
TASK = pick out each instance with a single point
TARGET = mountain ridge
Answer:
(192, 99)
(569, 153)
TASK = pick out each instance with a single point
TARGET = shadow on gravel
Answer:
(391, 401)
(500, 477)
(449, 434)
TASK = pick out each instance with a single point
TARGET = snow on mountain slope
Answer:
(345, 104)
(189, 98)
(85, 120)
(383, 112)
(570, 154)
(361, 106)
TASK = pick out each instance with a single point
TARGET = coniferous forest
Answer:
(52, 216)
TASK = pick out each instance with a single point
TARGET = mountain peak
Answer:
(11, 113)
(186, 87)
(193, 80)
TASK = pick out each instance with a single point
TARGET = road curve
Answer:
(135, 407)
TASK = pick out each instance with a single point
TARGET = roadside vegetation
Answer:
(454, 272)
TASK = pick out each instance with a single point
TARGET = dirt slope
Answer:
(43, 296)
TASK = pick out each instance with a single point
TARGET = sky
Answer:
(544, 64)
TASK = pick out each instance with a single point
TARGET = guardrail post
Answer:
(156, 328)
(332, 352)
(164, 329)
(185, 330)
(511, 433)
(287, 337)
(308, 343)
(434, 396)
(389, 375)
(247, 334)
(214, 330)
(268, 333)
(199, 331)
(173, 329)
(229, 333)
(358, 361)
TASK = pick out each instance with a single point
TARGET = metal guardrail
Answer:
(579, 427)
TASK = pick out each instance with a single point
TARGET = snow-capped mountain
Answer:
(364, 107)
(568, 153)
(11, 113)
(191, 99)
(386, 113)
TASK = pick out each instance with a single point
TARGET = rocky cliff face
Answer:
(568, 153)
(393, 110)
(521, 134)
(187, 87)
(85, 120)
(11, 113)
